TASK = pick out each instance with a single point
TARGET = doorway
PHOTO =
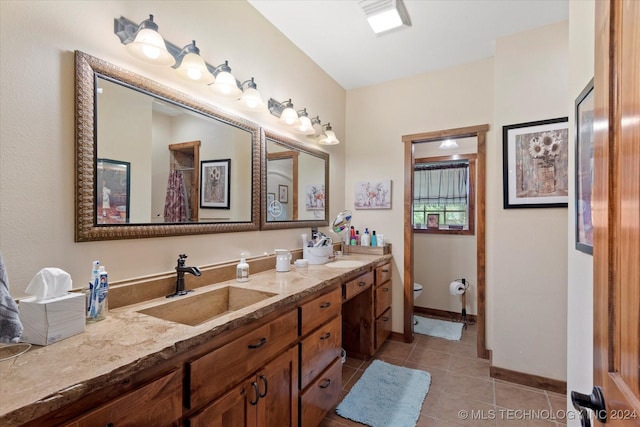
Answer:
(479, 132)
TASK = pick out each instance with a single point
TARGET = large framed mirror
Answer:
(152, 161)
(295, 184)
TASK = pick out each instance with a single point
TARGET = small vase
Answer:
(546, 175)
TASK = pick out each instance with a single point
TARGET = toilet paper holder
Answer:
(459, 287)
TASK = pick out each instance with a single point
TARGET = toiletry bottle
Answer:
(89, 291)
(374, 238)
(357, 237)
(380, 239)
(242, 270)
(97, 306)
(366, 238)
(352, 236)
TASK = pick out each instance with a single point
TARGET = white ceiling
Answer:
(335, 34)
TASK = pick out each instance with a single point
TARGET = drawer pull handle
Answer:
(326, 336)
(325, 304)
(362, 283)
(385, 270)
(385, 289)
(385, 319)
(108, 425)
(266, 386)
(326, 383)
(260, 343)
(255, 387)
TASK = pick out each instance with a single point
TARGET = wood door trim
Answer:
(479, 132)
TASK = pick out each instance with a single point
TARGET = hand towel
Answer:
(10, 325)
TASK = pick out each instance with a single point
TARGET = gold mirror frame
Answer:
(294, 146)
(86, 153)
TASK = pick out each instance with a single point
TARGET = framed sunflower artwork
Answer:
(535, 164)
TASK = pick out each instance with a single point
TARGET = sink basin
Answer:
(200, 307)
(10, 352)
(345, 263)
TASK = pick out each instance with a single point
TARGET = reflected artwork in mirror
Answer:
(162, 136)
(295, 184)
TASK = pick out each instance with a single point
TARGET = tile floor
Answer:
(460, 382)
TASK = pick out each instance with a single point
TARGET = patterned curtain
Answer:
(175, 205)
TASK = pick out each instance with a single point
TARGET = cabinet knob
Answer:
(385, 270)
(385, 289)
(362, 284)
(326, 336)
(325, 305)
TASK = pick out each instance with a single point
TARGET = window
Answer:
(444, 187)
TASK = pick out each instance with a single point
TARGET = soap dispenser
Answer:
(242, 270)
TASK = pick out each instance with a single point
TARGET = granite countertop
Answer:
(47, 378)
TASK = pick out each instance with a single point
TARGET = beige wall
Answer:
(37, 40)
(580, 269)
(378, 116)
(527, 248)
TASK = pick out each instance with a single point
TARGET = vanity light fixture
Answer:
(192, 66)
(448, 144)
(305, 126)
(285, 111)
(225, 83)
(329, 137)
(251, 98)
(385, 15)
(144, 41)
(317, 127)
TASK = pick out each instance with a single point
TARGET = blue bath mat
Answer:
(438, 328)
(386, 396)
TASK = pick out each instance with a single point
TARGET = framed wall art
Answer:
(113, 185)
(584, 169)
(215, 184)
(283, 193)
(373, 194)
(535, 164)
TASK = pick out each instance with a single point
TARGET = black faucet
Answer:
(181, 269)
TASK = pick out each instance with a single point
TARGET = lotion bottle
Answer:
(366, 238)
(242, 270)
(374, 239)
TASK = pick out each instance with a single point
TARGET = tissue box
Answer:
(49, 321)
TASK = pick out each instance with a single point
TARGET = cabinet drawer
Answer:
(158, 403)
(214, 372)
(319, 349)
(383, 298)
(357, 285)
(316, 312)
(321, 396)
(383, 273)
(383, 328)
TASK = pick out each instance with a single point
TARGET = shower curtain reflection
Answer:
(176, 208)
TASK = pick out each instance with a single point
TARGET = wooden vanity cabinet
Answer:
(382, 303)
(268, 398)
(320, 379)
(158, 403)
(252, 379)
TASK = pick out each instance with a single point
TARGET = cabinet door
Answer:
(383, 328)
(319, 349)
(322, 395)
(236, 408)
(159, 403)
(383, 297)
(278, 391)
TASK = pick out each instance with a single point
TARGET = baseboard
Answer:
(529, 380)
(444, 314)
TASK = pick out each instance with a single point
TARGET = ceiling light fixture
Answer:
(192, 67)
(385, 15)
(448, 144)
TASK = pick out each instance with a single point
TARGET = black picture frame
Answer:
(584, 107)
(535, 164)
(215, 184)
(113, 196)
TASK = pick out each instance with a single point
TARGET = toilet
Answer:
(417, 290)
